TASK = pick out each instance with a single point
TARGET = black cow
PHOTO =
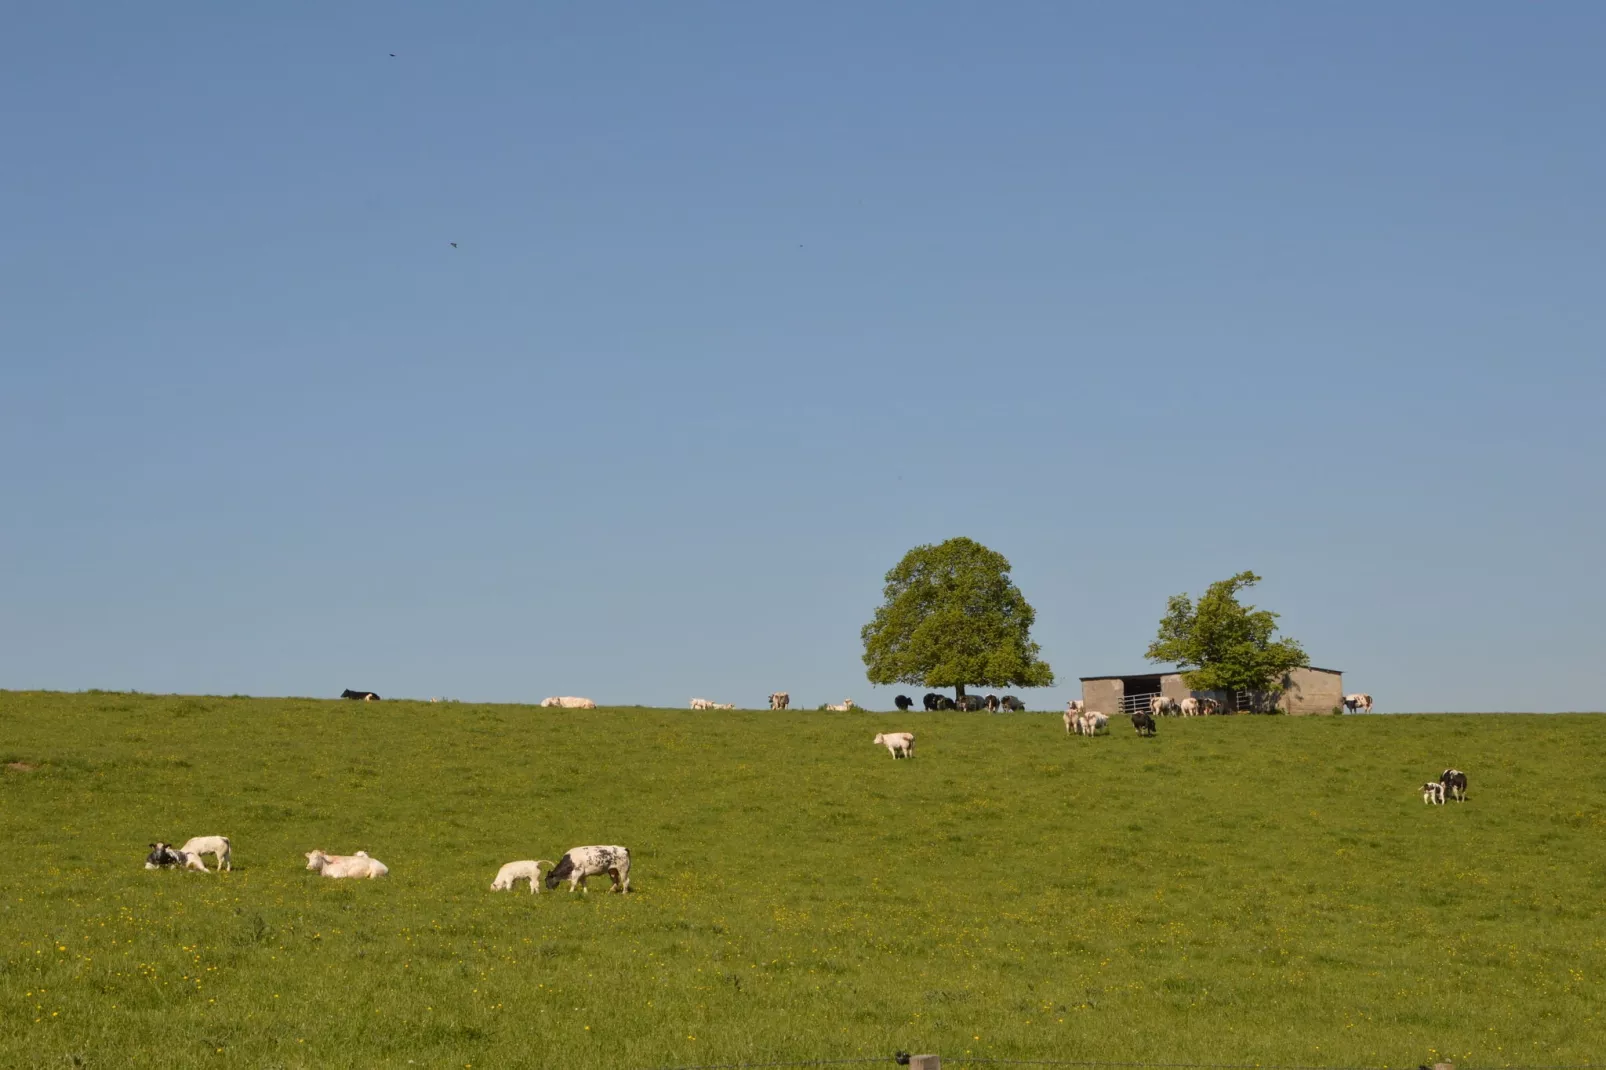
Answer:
(903, 702)
(1011, 703)
(932, 701)
(946, 703)
(1455, 784)
(1143, 722)
(365, 696)
(992, 703)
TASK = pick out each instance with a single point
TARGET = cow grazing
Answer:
(903, 702)
(578, 863)
(1358, 702)
(1143, 723)
(1455, 784)
(901, 744)
(216, 846)
(1012, 704)
(1433, 793)
(569, 702)
(513, 872)
(780, 700)
(1189, 706)
(338, 866)
(842, 707)
(166, 856)
(365, 696)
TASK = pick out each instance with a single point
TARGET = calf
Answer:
(1143, 722)
(357, 865)
(578, 863)
(903, 702)
(514, 872)
(1012, 704)
(1358, 702)
(901, 744)
(216, 846)
(165, 855)
(365, 696)
(1433, 792)
(1455, 784)
(780, 700)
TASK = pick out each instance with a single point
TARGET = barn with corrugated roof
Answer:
(1307, 690)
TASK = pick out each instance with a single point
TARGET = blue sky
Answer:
(749, 299)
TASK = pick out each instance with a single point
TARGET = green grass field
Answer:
(1243, 889)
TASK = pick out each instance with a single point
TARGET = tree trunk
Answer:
(959, 694)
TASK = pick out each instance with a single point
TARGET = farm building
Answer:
(1306, 690)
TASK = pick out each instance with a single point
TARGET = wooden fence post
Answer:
(934, 1062)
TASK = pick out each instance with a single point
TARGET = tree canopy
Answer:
(1223, 645)
(952, 617)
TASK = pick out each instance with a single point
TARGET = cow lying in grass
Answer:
(901, 744)
(357, 865)
(578, 863)
(513, 872)
(166, 856)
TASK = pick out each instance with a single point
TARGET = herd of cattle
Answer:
(575, 866)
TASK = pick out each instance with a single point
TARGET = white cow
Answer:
(216, 846)
(1160, 705)
(846, 704)
(702, 704)
(1358, 702)
(164, 855)
(357, 865)
(578, 863)
(1073, 720)
(1093, 722)
(1189, 706)
(569, 702)
(513, 872)
(722, 705)
(780, 700)
(900, 744)
(1076, 705)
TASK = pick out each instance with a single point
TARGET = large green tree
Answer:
(952, 617)
(1223, 645)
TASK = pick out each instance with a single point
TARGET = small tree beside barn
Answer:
(952, 617)
(1224, 646)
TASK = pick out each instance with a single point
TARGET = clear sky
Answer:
(748, 299)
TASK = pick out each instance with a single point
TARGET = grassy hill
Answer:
(1247, 889)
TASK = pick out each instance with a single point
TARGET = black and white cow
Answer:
(165, 856)
(1455, 784)
(1012, 704)
(1433, 793)
(578, 863)
(903, 702)
(992, 703)
(363, 696)
(932, 701)
(1143, 722)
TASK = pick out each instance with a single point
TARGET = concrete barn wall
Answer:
(1311, 691)
(1103, 695)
